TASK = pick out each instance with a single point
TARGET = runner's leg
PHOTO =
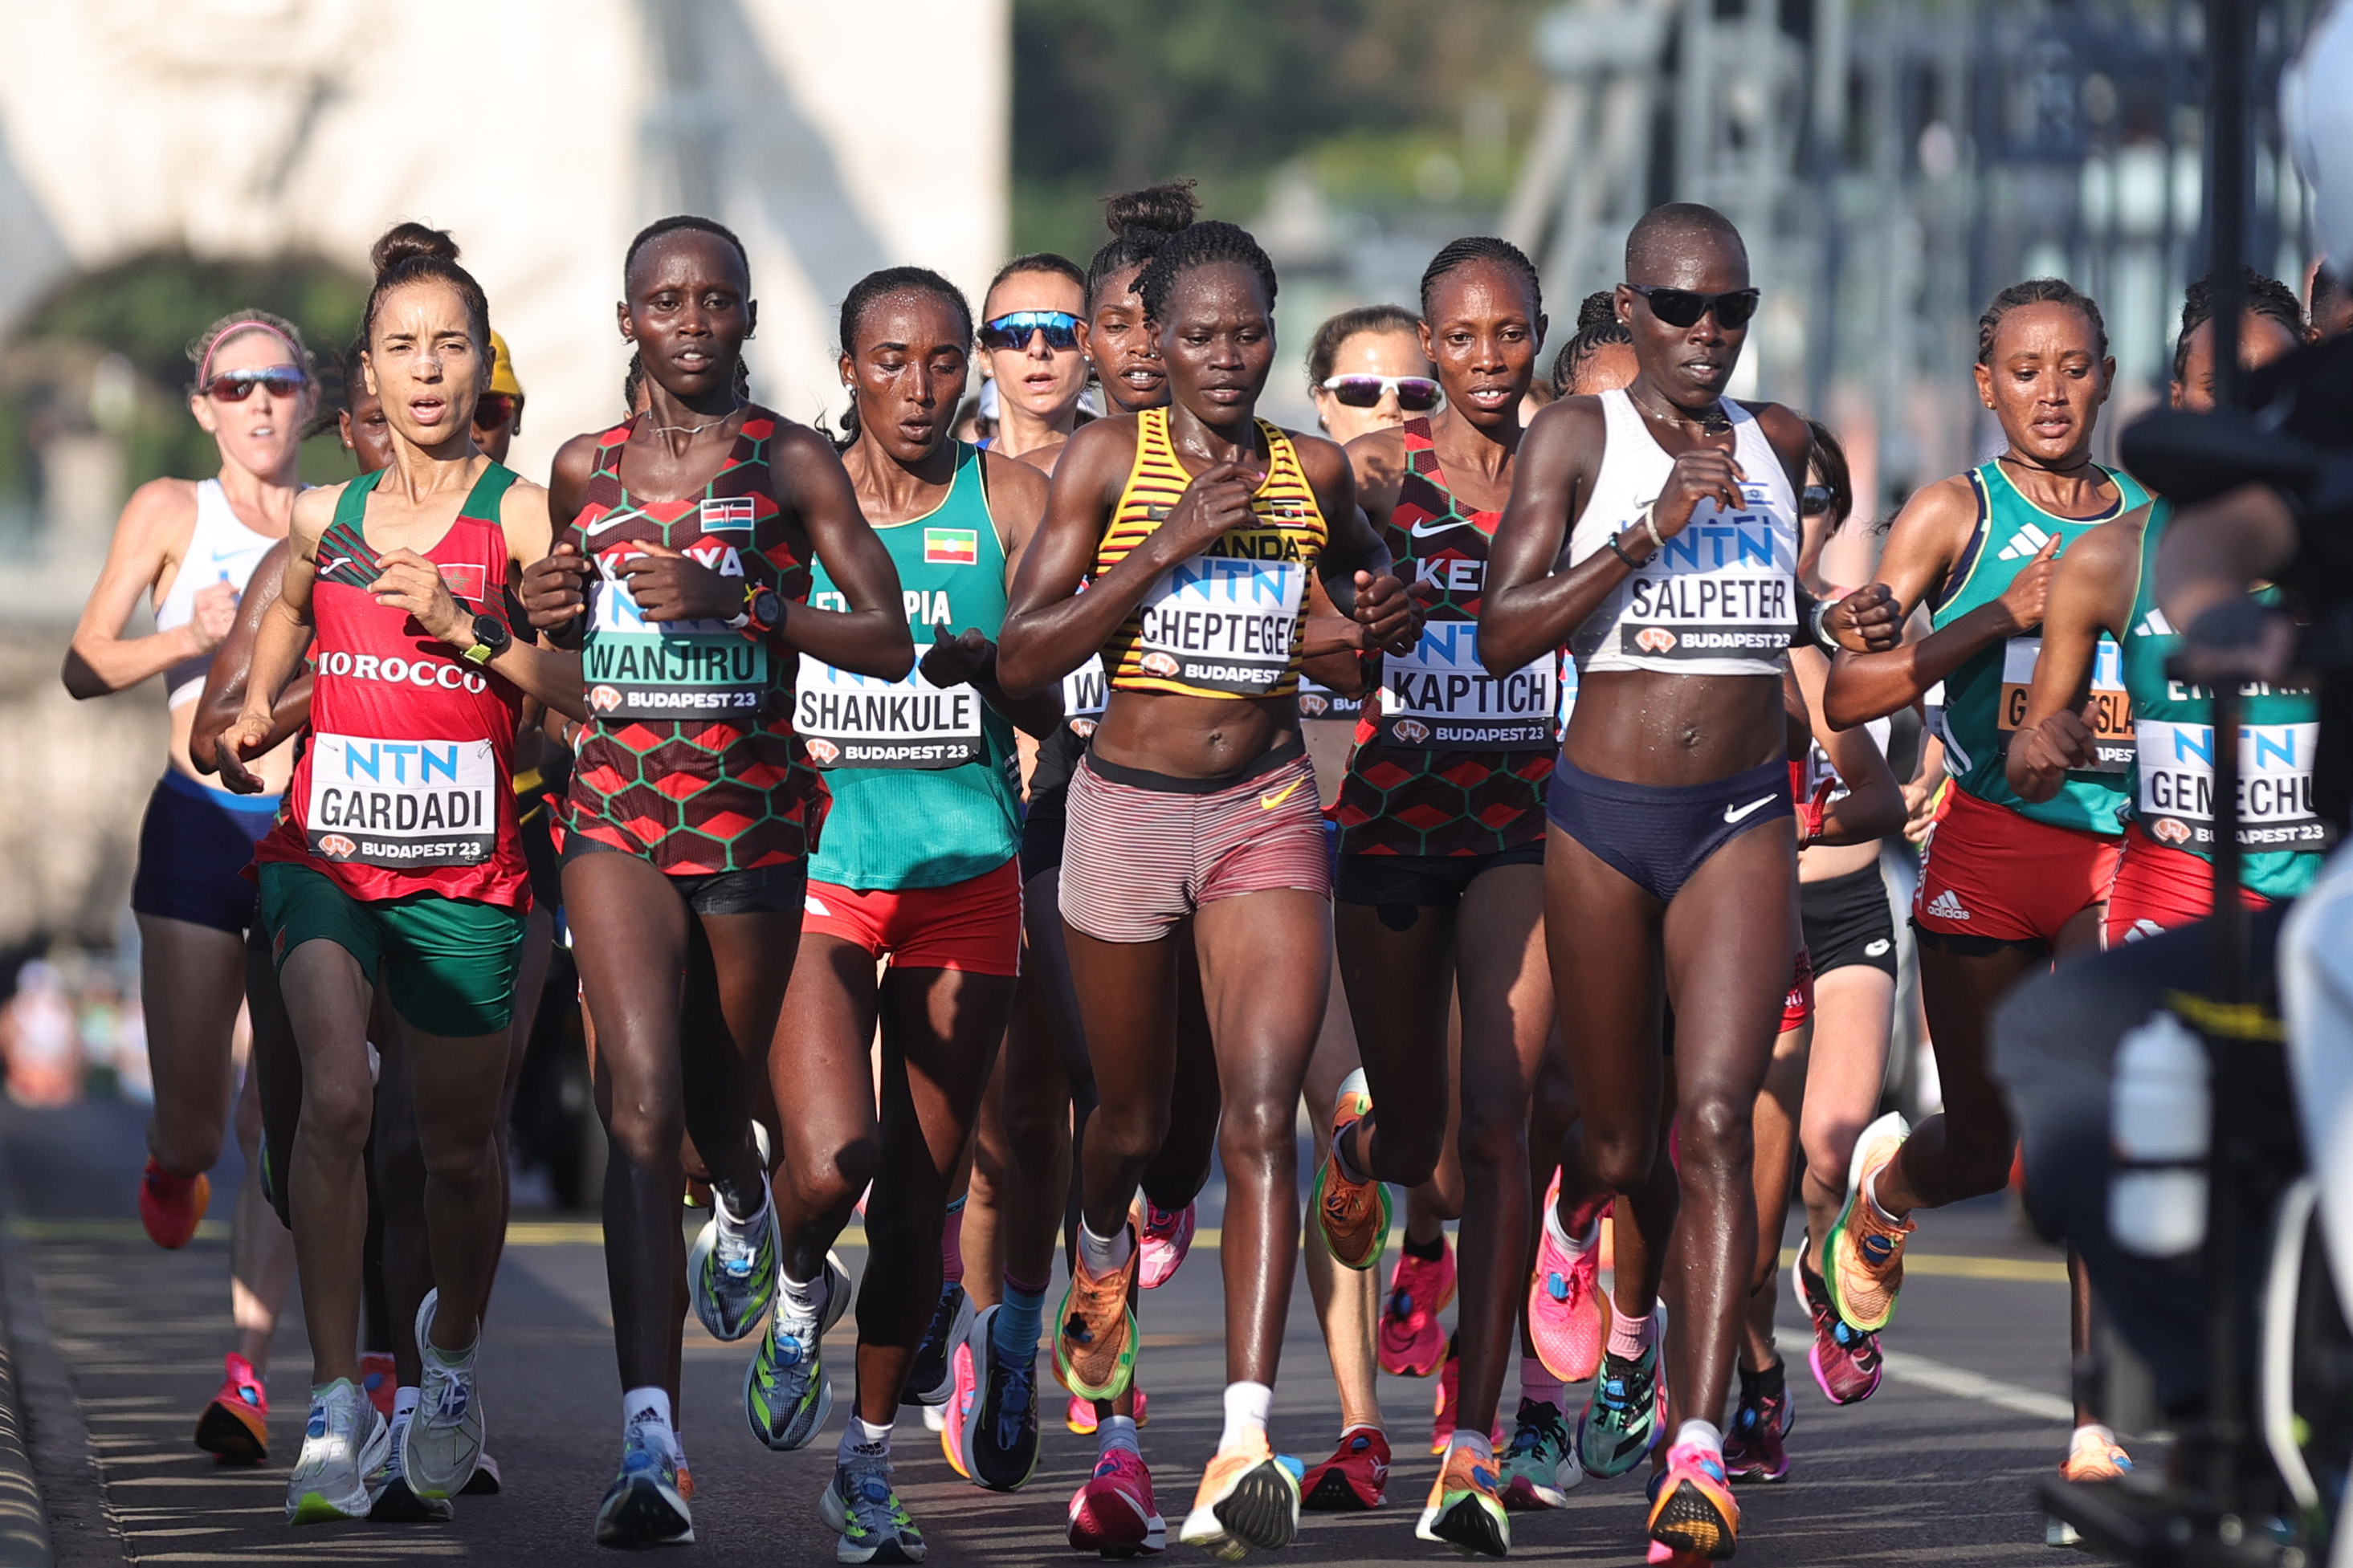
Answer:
(1964, 1150)
(327, 1000)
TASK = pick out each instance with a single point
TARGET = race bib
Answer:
(2109, 715)
(857, 722)
(1725, 587)
(2177, 787)
(1083, 697)
(407, 805)
(636, 669)
(1440, 696)
(1222, 623)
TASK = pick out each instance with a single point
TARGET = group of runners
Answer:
(992, 839)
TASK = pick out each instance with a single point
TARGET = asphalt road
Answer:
(118, 1345)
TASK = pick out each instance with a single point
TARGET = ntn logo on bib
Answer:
(1227, 624)
(2176, 800)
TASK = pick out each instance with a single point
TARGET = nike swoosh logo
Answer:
(1734, 813)
(1269, 802)
(1442, 525)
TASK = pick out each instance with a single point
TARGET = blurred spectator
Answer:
(38, 1037)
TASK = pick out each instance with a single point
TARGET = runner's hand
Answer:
(1391, 619)
(1701, 474)
(2030, 591)
(2059, 742)
(211, 615)
(1865, 621)
(411, 582)
(1920, 808)
(956, 660)
(249, 737)
(1217, 501)
(669, 586)
(555, 587)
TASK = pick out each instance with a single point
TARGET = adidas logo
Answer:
(2154, 624)
(1946, 906)
(2023, 544)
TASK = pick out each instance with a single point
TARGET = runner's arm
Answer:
(871, 637)
(567, 494)
(224, 693)
(2209, 555)
(2091, 593)
(279, 644)
(1529, 609)
(1872, 807)
(1017, 501)
(1355, 566)
(155, 528)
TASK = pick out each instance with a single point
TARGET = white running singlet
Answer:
(220, 550)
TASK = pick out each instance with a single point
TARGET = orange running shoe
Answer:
(172, 1206)
(235, 1428)
(1249, 1501)
(1094, 1348)
(1695, 1515)
(1866, 1247)
(1569, 1317)
(1464, 1510)
(2094, 1455)
(1354, 1215)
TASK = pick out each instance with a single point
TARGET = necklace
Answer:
(1714, 422)
(2037, 468)
(691, 429)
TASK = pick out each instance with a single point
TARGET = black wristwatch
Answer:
(490, 640)
(764, 611)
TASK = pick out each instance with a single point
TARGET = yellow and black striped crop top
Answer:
(1227, 622)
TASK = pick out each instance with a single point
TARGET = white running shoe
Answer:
(442, 1443)
(345, 1445)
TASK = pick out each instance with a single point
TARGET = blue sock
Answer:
(1019, 1321)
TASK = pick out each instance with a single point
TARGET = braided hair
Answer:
(862, 296)
(1141, 222)
(2262, 295)
(683, 223)
(2039, 292)
(1596, 326)
(1203, 244)
(1482, 247)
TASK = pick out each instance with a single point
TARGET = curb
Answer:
(54, 1511)
(24, 1526)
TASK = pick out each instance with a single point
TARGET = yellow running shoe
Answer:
(1249, 1501)
(1866, 1247)
(1465, 1511)
(1354, 1215)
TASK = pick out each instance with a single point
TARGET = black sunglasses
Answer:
(1682, 307)
(236, 386)
(1415, 393)
(1816, 500)
(1012, 330)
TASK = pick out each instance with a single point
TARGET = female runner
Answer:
(1029, 330)
(2008, 884)
(1441, 888)
(1670, 808)
(693, 527)
(193, 547)
(396, 860)
(1197, 586)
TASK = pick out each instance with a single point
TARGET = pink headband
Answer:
(204, 365)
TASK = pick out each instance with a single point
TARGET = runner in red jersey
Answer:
(691, 810)
(394, 860)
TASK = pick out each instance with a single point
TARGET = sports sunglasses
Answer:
(1415, 393)
(1682, 307)
(1012, 330)
(236, 386)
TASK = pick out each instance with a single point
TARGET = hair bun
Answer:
(1597, 308)
(404, 240)
(1165, 209)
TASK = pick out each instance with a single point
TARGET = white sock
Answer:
(1871, 1192)
(1477, 1442)
(1248, 1404)
(2097, 1431)
(404, 1402)
(1702, 1432)
(646, 1408)
(806, 1299)
(1116, 1432)
(719, 1201)
(1104, 1255)
(863, 1442)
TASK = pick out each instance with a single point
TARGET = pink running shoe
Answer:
(966, 1389)
(1412, 1343)
(1845, 1360)
(1567, 1315)
(379, 1380)
(1081, 1416)
(1113, 1514)
(1163, 1236)
(1449, 1397)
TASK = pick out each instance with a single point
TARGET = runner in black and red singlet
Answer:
(685, 576)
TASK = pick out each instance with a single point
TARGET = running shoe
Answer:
(875, 1526)
(1001, 1429)
(1621, 1423)
(959, 1407)
(2094, 1455)
(171, 1206)
(1568, 1317)
(1355, 1478)
(379, 1380)
(344, 1444)
(1752, 1444)
(1113, 1514)
(1845, 1361)
(1866, 1249)
(1354, 1215)
(731, 1269)
(442, 1443)
(1163, 1236)
(235, 1428)
(1411, 1345)
(1464, 1510)
(1079, 1415)
(786, 1395)
(1094, 1348)
(1449, 1397)
(1694, 1512)
(396, 1502)
(645, 1506)
(1249, 1501)
(486, 1481)
(932, 1379)
(1540, 1466)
